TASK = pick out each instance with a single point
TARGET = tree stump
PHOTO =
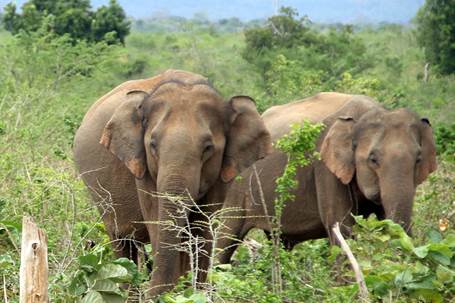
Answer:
(34, 268)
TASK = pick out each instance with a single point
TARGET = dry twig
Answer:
(355, 265)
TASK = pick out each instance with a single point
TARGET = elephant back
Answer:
(278, 119)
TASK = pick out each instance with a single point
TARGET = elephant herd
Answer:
(174, 134)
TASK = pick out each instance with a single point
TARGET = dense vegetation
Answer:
(74, 18)
(48, 81)
(436, 33)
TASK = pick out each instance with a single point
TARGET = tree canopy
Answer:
(73, 17)
(436, 33)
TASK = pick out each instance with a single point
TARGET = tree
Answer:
(294, 57)
(282, 30)
(436, 33)
(72, 17)
(110, 22)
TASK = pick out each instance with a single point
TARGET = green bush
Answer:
(436, 33)
(291, 50)
(445, 140)
(98, 279)
(395, 267)
(74, 18)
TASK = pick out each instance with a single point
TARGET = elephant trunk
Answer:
(177, 185)
(397, 197)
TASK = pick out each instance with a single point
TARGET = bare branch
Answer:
(364, 296)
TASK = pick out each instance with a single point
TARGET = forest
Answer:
(54, 69)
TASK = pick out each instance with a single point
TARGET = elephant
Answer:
(371, 160)
(171, 134)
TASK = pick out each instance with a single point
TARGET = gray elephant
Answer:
(372, 159)
(172, 134)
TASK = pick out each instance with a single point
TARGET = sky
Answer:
(330, 11)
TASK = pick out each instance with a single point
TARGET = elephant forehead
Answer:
(174, 90)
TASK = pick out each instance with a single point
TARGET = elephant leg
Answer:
(235, 229)
(334, 203)
(167, 264)
(126, 248)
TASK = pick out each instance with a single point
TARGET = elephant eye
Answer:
(419, 158)
(207, 150)
(373, 159)
(153, 146)
(208, 147)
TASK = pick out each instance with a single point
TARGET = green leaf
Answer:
(444, 274)
(6, 260)
(335, 250)
(384, 237)
(113, 298)
(377, 284)
(441, 248)
(434, 236)
(78, 286)
(113, 271)
(421, 269)
(11, 225)
(182, 299)
(427, 283)
(449, 240)
(406, 242)
(166, 298)
(93, 297)
(428, 295)
(403, 278)
(198, 297)
(440, 258)
(421, 251)
(89, 262)
(107, 286)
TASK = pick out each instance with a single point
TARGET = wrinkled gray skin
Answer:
(372, 160)
(173, 134)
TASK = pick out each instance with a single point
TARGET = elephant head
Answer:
(183, 137)
(387, 152)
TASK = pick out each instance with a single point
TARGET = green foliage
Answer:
(74, 18)
(186, 297)
(46, 83)
(282, 30)
(360, 85)
(294, 59)
(286, 79)
(110, 23)
(299, 145)
(97, 279)
(436, 33)
(445, 140)
(395, 267)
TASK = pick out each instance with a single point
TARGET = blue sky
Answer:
(347, 11)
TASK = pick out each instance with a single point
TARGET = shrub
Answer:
(436, 33)
(74, 18)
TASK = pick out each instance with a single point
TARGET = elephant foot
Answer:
(155, 290)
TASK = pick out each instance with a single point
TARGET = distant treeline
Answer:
(167, 23)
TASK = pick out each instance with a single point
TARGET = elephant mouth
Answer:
(201, 194)
(377, 201)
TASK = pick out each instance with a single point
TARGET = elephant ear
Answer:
(123, 135)
(248, 140)
(428, 148)
(336, 150)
